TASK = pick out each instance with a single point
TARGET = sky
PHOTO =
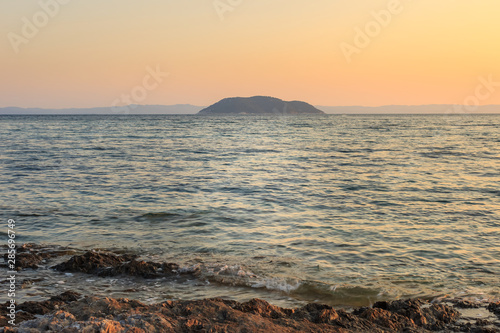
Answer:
(89, 53)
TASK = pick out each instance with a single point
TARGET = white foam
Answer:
(277, 284)
(226, 270)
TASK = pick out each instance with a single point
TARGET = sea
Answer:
(344, 210)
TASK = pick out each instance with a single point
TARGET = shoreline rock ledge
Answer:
(73, 312)
(259, 105)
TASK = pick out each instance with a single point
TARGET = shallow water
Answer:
(345, 210)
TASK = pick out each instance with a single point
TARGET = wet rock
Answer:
(320, 313)
(109, 264)
(438, 316)
(462, 304)
(388, 319)
(146, 269)
(29, 260)
(31, 255)
(92, 263)
(20, 317)
(104, 307)
(28, 310)
(477, 328)
(433, 317)
(495, 308)
(44, 307)
(262, 308)
(62, 321)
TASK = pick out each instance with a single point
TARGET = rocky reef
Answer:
(109, 264)
(71, 312)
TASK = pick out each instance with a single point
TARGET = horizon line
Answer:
(203, 106)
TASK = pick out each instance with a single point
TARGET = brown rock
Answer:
(92, 263)
(30, 309)
(71, 313)
(466, 304)
(31, 255)
(433, 317)
(438, 316)
(495, 308)
(387, 319)
(109, 264)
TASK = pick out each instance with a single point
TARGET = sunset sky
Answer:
(89, 53)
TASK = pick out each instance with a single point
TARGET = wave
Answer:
(240, 276)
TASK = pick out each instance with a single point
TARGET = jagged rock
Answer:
(462, 304)
(30, 309)
(109, 264)
(388, 319)
(71, 313)
(30, 255)
(495, 308)
(434, 317)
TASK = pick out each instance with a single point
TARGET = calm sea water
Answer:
(344, 210)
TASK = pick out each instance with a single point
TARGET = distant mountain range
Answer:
(193, 109)
(130, 109)
(259, 105)
(411, 109)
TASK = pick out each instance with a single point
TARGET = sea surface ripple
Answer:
(345, 210)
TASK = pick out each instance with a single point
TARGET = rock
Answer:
(461, 304)
(62, 321)
(495, 308)
(109, 264)
(92, 263)
(44, 307)
(387, 319)
(262, 308)
(31, 255)
(69, 312)
(438, 316)
(28, 310)
(433, 317)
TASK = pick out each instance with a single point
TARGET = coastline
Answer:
(69, 312)
(73, 312)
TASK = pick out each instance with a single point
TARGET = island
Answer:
(259, 105)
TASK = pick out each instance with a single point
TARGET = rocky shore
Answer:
(72, 312)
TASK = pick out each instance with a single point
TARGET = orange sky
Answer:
(89, 53)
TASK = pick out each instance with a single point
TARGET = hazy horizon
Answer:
(188, 109)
